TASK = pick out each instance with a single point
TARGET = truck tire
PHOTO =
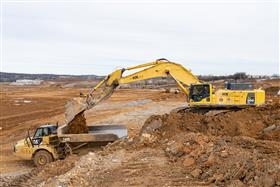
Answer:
(42, 157)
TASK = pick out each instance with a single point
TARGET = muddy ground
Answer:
(166, 147)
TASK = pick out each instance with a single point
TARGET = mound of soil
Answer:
(255, 122)
(78, 125)
(41, 174)
(234, 148)
(187, 148)
(183, 148)
(273, 90)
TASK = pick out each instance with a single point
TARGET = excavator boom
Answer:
(104, 89)
(162, 68)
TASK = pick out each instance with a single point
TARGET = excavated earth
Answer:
(260, 123)
(185, 148)
(240, 145)
(182, 148)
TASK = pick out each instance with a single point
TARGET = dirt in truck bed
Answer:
(78, 125)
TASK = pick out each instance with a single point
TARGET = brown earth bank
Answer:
(185, 149)
(261, 122)
(240, 147)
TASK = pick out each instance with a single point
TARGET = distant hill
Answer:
(11, 77)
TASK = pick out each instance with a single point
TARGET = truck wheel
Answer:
(41, 158)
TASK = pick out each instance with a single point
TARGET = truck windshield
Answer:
(41, 132)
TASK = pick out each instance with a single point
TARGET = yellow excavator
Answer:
(199, 94)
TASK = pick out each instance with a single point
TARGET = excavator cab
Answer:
(200, 93)
(235, 95)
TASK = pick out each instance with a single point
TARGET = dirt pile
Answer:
(86, 172)
(144, 167)
(222, 160)
(78, 124)
(233, 148)
(257, 122)
(40, 175)
(187, 148)
(273, 90)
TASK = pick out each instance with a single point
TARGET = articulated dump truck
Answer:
(51, 142)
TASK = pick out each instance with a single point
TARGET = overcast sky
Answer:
(97, 38)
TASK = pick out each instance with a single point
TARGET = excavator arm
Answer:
(162, 68)
(105, 88)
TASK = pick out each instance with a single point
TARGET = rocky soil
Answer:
(186, 148)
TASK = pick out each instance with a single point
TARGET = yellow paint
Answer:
(25, 150)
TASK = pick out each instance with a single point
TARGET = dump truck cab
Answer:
(41, 147)
(42, 134)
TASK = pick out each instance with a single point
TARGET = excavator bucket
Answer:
(80, 104)
(74, 107)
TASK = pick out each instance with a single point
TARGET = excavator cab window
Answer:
(199, 92)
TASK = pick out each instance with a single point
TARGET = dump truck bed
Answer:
(100, 133)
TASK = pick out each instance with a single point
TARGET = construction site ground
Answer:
(167, 145)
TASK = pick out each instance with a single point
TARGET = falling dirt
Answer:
(78, 125)
(74, 109)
